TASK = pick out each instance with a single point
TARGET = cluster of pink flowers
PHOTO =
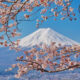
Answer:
(48, 59)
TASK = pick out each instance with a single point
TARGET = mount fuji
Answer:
(45, 36)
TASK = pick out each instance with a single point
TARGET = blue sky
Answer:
(68, 28)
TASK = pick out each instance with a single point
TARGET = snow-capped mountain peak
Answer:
(45, 36)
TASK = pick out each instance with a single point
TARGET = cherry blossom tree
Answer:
(53, 57)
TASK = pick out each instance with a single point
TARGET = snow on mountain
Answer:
(45, 35)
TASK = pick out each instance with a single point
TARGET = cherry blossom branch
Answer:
(8, 1)
(44, 70)
(70, 54)
(28, 61)
(70, 67)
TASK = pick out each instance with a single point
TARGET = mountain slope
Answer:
(45, 35)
